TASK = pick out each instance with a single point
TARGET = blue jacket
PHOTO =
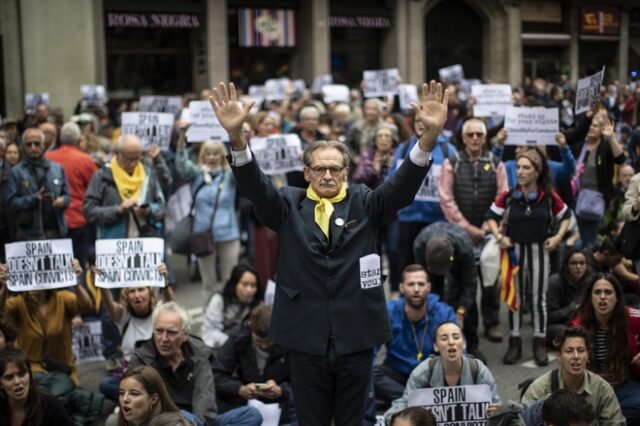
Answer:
(401, 349)
(559, 170)
(20, 196)
(421, 211)
(225, 223)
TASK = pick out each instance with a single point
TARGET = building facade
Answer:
(138, 47)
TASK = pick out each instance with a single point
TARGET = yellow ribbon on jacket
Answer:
(324, 208)
(128, 185)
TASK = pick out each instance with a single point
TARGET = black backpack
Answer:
(555, 383)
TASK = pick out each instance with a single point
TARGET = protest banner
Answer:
(151, 127)
(277, 88)
(169, 104)
(93, 94)
(451, 74)
(257, 93)
(32, 100)
(380, 82)
(86, 342)
(298, 87)
(319, 82)
(335, 93)
(407, 93)
(467, 84)
(278, 154)
(492, 100)
(40, 265)
(131, 262)
(204, 123)
(531, 126)
(587, 91)
(454, 405)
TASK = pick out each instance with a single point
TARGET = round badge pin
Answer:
(340, 221)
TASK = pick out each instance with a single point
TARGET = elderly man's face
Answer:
(371, 112)
(129, 157)
(50, 134)
(473, 138)
(34, 146)
(309, 123)
(327, 172)
(168, 334)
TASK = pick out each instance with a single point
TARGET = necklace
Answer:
(419, 345)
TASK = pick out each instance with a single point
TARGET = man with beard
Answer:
(413, 319)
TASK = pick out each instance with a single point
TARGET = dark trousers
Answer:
(388, 383)
(408, 232)
(330, 387)
(83, 240)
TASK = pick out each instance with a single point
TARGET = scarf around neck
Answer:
(128, 185)
(324, 207)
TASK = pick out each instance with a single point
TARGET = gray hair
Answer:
(342, 108)
(309, 111)
(466, 124)
(391, 127)
(376, 102)
(173, 307)
(127, 138)
(346, 156)
(70, 133)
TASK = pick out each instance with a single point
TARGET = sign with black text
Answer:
(278, 154)
(204, 123)
(40, 265)
(380, 82)
(170, 104)
(131, 262)
(32, 100)
(93, 94)
(151, 127)
(319, 82)
(87, 342)
(588, 91)
(455, 405)
(492, 100)
(451, 74)
(531, 126)
(277, 88)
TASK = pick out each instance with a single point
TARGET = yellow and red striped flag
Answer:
(508, 270)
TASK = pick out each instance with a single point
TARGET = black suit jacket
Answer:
(319, 294)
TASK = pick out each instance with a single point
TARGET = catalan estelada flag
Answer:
(508, 270)
(267, 28)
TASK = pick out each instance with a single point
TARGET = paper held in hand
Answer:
(454, 405)
(531, 126)
(40, 265)
(380, 82)
(204, 123)
(278, 154)
(492, 100)
(587, 91)
(150, 127)
(131, 262)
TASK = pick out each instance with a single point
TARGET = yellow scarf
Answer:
(324, 208)
(128, 185)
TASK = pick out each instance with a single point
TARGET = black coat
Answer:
(319, 293)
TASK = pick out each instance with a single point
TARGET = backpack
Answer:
(455, 161)
(473, 364)
(555, 383)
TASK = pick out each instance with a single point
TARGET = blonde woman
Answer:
(214, 199)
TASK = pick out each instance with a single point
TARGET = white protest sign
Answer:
(407, 93)
(270, 412)
(276, 88)
(451, 74)
(587, 91)
(380, 82)
(278, 154)
(151, 127)
(131, 262)
(170, 104)
(40, 265)
(93, 94)
(467, 84)
(258, 93)
(492, 100)
(454, 405)
(32, 100)
(298, 87)
(204, 123)
(370, 271)
(335, 93)
(531, 126)
(270, 292)
(318, 82)
(87, 342)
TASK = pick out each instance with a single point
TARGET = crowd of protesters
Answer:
(82, 179)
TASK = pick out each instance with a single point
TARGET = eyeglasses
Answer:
(30, 144)
(321, 171)
(474, 134)
(577, 263)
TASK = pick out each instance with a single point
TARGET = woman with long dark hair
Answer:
(228, 311)
(21, 403)
(614, 330)
(529, 212)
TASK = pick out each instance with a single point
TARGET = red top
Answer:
(78, 169)
(633, 335)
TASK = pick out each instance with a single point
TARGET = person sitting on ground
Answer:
(413, 319)
(614, 332)
(21, 402)
(413, 416)
(142, 397)
(226, 313)
(572, 348)
(185, 364)
(450, 368)
(564, 294)
(607, 258)
(250, 366)
(132, 316)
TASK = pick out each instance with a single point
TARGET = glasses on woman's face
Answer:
(577, 262)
